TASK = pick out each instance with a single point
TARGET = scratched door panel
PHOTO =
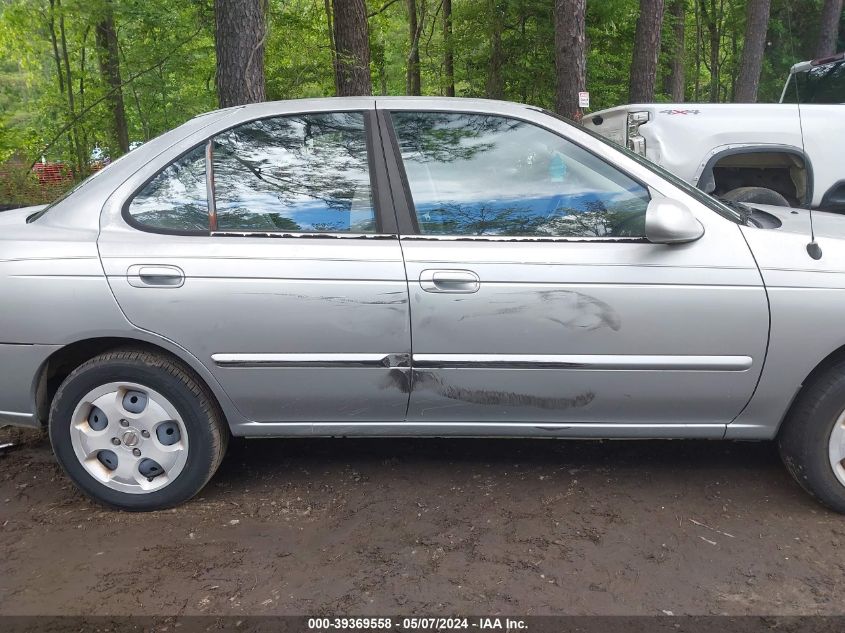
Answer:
(535, 295)
(587, 332)
(574, 396)
(294, 300)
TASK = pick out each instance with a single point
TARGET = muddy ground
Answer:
(431, 527)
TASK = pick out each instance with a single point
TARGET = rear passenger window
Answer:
(295, 173)
(473, 174)
(175, 200)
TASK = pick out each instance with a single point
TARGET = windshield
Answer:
(705, 199)
(821, 84)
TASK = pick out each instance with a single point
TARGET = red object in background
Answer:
(52, 173)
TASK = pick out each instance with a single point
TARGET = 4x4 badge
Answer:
(680, 111)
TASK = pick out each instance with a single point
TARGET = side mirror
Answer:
(668, 221)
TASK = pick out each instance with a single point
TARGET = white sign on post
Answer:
(583, 99)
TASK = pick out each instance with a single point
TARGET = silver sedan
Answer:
(409, 266)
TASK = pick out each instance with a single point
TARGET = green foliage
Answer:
(610, 34)
(298, 59)
(166, 50)
(167, 60)
(792, 38)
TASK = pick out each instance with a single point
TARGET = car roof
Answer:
(459, 103)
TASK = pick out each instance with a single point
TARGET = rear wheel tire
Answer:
(136, 430)
(812, 438)
(756, 195)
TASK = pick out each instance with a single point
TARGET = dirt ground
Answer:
(398, 527)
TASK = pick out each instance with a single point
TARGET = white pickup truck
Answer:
(792, 152)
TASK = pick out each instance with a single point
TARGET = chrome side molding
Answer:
(18, 418)
(622, 362)
(607, 362)
(311, 360)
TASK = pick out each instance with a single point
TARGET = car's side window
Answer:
(175, 200)
(475, 174)
(295, 173)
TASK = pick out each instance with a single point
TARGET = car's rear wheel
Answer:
(756, 195)
(136, 430)
(812, 438)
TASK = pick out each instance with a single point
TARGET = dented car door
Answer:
(535, 297)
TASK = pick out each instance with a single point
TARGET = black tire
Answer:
(756, 195)
(207, 431)
(805, 435)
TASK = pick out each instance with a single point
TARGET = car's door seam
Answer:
(410, 369)
(768, 334)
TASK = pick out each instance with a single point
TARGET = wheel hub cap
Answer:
(129, 437)
(836, 448)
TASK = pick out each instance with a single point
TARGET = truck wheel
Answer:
(756, 195)
(812, 438)
(137, 430)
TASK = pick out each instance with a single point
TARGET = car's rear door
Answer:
(294, 293)
(535, 298)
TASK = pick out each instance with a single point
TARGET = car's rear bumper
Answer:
(21, 364)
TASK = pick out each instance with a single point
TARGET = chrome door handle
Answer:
(457, 281)
(146, 276)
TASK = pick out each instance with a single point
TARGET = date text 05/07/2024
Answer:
(416, 623)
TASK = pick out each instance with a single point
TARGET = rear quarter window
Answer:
(175, 199)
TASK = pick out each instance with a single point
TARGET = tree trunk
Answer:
(495, 81)
(448, 49)
(352, 42)
(696, 96)
(734, 56)
(240, 29)
(379, 64)
(145, 124)
(676, 79)
(522, 19)
(646, 52)
(715, 60)
(712, 20)
(570, 56)
(82, 73)
(80, 152)
(106, 36)
(829, 31)
(59, 73)
(413, 83)
(54, 42)
(332, 47)
(751, 64)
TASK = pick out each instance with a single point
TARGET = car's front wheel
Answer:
(136, 430)
(812, 438)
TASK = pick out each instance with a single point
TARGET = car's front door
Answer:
(536, 299)
(290, 287)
